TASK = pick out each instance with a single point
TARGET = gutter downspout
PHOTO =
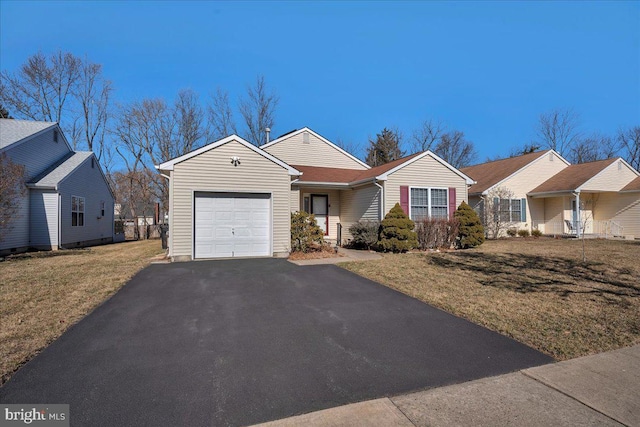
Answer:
(381, 199)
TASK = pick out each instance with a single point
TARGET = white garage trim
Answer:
(231, 199)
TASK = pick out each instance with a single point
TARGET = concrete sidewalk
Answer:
(599, 390)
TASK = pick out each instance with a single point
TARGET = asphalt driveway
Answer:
(245, 341)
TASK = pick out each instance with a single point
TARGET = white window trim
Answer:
(511, 211)
(78, 211)
(428, 198)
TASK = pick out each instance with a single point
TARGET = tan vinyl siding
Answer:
(316, 153)
(212, 171)
(425, 172)
(529, 178)
(553, 215)
(623, 208)
(358, 204)
(295, 199)
(612, 178)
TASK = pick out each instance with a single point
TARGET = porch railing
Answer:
(594, 228)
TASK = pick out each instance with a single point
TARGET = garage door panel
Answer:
(232, 225)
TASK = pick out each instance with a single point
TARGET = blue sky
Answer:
(349, 69)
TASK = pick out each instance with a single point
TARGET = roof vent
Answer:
(305, 138)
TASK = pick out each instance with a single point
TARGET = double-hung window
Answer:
(429, 203)
(509, 210)
(77, 211)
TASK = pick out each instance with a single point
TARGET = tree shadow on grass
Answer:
(533, 273)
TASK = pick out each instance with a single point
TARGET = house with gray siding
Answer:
(233, 199)
(68, 202)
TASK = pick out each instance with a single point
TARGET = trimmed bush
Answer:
(536, 233)
(434, 233)
(512, 232)
(306, 236)
(471, 232)
(364, 234)
(523, 233)
(396, 231)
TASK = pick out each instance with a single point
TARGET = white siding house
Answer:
(54, 175)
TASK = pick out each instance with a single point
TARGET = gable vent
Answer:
(55, 135)
(619, 165)
(551, 157)
(305, 138)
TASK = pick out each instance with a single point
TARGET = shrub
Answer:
(306, 236)
(436, 233)
(512, 232)
(536, 233)
(523, 233)
(396, 231)
(364, 234)
(471, 232)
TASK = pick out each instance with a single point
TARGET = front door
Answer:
(320, 208)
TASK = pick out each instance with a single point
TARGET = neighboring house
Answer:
(555, 197)
(588, 198)
(68, 202)
(519, 175)
(230, 198)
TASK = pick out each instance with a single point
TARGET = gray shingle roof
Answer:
(12, 131)
(53, 176)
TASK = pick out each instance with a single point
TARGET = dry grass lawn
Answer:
(537, 291)
(43, 293)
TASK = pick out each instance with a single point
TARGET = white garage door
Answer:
(232, 225)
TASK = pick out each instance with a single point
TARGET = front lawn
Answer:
(536, 291)
(43, 293)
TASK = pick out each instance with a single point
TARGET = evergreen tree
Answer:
(471, 232)
(384, 149)
(396, 231)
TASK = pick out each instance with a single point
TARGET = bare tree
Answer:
(191, 129)
(427, 135)
(630, 144)
(592, 148)
(456, 150)
(93, 93)
(12, 190)
(520, 150)
(558, 130)
(41, 88)
(221, 116)
(496, 212)
(349, 146)
(258, 111)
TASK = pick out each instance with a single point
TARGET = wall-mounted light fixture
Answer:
(235, 160)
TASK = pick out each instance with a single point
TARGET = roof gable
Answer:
(168, 165)
(354, 176)
(573, 177)
(490, 174)
(14, 131)
(293, 134)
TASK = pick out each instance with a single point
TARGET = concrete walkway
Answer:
(599, 390)
(346, 256)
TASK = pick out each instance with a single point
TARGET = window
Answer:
(509, 210)
(77, 211)
(429, 203)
